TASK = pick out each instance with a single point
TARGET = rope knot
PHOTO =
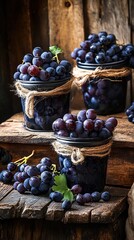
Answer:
(77, 156)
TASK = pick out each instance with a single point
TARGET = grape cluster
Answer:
(5, 156)
(130, 113)
(40, 179)
(41, 66)
(36, 178)
(103, 48)
(84, 124)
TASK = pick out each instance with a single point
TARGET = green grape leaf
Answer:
(55, 50)
(60, 185)
(68, 195)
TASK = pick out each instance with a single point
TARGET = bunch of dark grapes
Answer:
(36, 179)
(5, 156)
(84, 124)
(130, 113)
(103, 48)
(41, 66)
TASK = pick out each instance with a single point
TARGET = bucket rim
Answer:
(82, 142)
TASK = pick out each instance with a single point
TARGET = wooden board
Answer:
(23, 216)
(13, 204)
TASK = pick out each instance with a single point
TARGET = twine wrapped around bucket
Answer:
(31, 94)
(82, 75)
(78, 155)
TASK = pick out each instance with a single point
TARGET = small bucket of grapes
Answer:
(44, 84)
(83, 143)
(103, 71)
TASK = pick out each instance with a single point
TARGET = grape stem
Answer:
(53, 168)
(24, 159)
(56, 57)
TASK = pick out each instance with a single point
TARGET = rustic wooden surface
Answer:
(13, 204)
(37, 214)
(26, 24)
(20, 142)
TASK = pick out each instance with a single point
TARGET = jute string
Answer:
(82, 75)
(78, 154)
(29, 95)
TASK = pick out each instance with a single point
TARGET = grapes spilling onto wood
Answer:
(44, 178)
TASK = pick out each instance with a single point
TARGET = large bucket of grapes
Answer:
(102, 72)
(44, 85)
(83, 155)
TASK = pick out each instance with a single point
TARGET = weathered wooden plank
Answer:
(107, 16)
(109, 212)
(120, 169)
(23, 205)
(39, 23)
(4, 190)
(54, 212)
(101, 212)
(5, 96)
(66, 25)
(19, 39)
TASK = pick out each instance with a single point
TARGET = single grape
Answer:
(88, 125)
(33, 70)
(91, 114)
(21, 188)
(46, 161)
(46, 176)
(66, 204)
(32, 171)
(37, 51)
(56, 196)
(96, 196)
(87, 197)
(34, 181)
(79, 199)
(76, 189)
(81, 116)
(105, 196)
(11, 166)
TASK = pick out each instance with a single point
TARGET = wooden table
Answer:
(28, 217)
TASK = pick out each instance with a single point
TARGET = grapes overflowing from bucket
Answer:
(103, 48)
(43, 66)
(84, 124)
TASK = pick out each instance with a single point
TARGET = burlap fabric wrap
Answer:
(83, 75)
(30, 95)
(78, 154)
(130, 219)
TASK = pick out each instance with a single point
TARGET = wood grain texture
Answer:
(66, 25)
(39, 23)
(19, 39)
(24, 216)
